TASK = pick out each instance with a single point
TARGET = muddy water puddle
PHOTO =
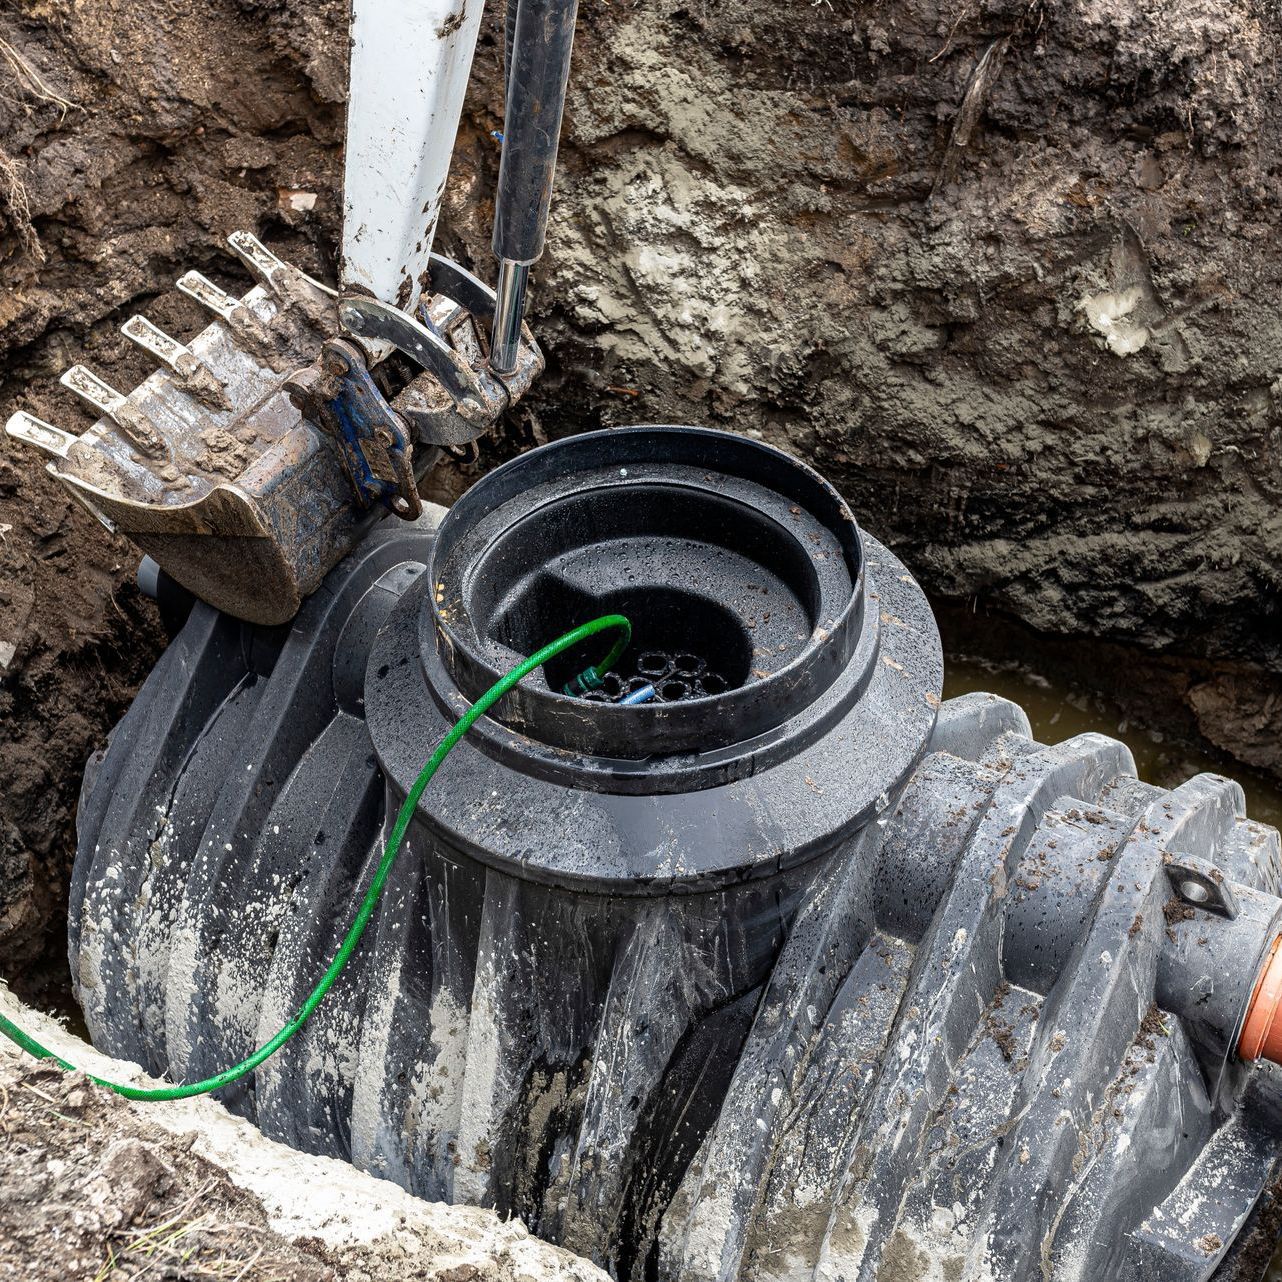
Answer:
(1058, 712)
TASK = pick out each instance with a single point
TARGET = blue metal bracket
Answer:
(374, 442)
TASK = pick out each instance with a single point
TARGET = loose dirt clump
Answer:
(121, 1200)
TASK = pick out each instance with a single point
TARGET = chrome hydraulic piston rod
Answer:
(539, 48)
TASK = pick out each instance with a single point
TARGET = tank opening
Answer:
(739, 569)
(676, 634)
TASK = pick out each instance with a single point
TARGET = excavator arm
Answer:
(262, 449)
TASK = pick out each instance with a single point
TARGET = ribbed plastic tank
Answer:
(568, 955)
(789, 971)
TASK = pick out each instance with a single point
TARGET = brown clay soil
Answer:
(1007, 271)
(133, 138)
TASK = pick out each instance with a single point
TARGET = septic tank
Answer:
(789, 969)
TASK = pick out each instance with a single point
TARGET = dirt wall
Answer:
(133, 138)
(1007, 272)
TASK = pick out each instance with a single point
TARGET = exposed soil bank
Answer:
(133, 138)
(1007, 272)
(184, 1190)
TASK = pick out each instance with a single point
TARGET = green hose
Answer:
(357, 929)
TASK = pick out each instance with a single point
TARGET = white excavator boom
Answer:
(410, 62)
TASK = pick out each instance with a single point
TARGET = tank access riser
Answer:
(884, 989)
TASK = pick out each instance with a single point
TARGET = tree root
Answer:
(34, 83)
(14, 204)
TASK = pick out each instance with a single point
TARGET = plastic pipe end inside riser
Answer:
(1262, 1029)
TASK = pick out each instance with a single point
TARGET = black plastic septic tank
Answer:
(546, 1011)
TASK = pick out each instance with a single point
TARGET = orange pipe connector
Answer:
(1262, 1029)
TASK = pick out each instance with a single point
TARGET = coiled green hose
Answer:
(605, 623)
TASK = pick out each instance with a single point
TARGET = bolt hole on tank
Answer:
(601, 850)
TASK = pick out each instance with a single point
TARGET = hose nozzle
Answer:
(587, 680)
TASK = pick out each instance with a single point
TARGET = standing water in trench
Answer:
(1058, 710)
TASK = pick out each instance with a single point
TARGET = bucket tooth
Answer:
(188, 370)
(101, 396)
(266, 266)
(91, 389)
(35, 431)
(53, 440)
(248, 330)
(290, 286)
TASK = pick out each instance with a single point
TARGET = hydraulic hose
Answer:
(608, 622)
